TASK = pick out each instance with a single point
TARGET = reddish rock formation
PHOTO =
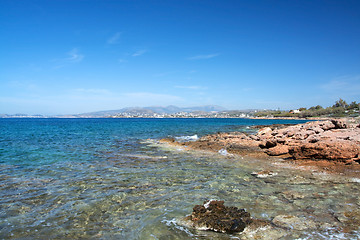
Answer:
(277, 150)
(330, 140)
(338, 149)
(336, 141)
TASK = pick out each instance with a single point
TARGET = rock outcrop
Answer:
(329, 140)
(333, 144)
(214, 216)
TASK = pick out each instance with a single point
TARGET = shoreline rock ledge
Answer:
(214, 216)
(335, 140)
(332, 140)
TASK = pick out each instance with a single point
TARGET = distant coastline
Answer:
(189, 116)
(339, 110)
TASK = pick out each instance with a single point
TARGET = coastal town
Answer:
(142, 114)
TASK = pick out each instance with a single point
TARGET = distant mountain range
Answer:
(153, 110)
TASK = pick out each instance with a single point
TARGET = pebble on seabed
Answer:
(264, 174)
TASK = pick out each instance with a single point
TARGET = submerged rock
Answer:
(293, 222)
(266, 232)
(214, 216)
(264, 174)
(292, 195)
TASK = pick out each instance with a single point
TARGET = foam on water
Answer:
(187, 138)
(178, 225)
(224, 152)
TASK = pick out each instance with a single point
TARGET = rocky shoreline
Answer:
(213, 215)
(331, 145)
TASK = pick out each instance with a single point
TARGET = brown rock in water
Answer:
(264, 131)
(214, 216)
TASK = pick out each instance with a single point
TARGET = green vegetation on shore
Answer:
(340, 109)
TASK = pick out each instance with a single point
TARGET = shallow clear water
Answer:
(110, 179)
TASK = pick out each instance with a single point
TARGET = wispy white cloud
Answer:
(191, 87)
(74, 56)
(200, 57)
(114, 39)
(163, 74)
(247, 89)
(24, 85)
(344, 85)
(139, 53)
(95, 91)
(144, 98)
(121, 60)
(334, 85)
(35, 68)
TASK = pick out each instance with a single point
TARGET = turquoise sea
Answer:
(111, 179)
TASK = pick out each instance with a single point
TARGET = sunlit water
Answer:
(111, 179)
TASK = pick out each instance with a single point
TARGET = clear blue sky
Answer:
(71, 56)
